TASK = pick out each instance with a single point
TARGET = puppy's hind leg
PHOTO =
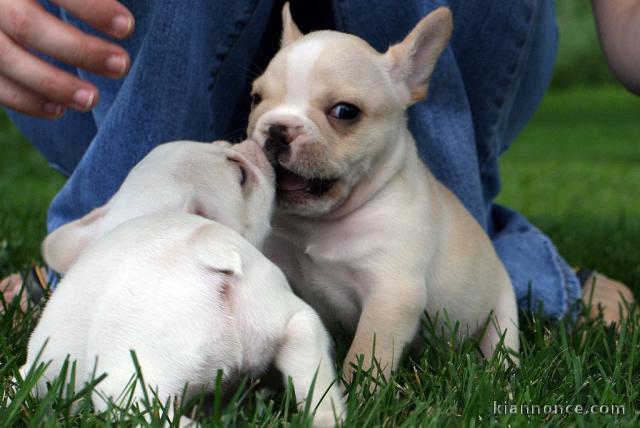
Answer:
(304, 356)
(504, 322)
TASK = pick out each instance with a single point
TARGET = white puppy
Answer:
(363, 230)
(189, 295)
(182, 176)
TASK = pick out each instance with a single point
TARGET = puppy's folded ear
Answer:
(290, 31)
(224, 259)
(63, 246)
(215, 253)
(412, 61)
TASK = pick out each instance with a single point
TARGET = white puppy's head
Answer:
(231, 184)
(328, 106)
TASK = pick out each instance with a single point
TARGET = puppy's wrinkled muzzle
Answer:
(281, 135)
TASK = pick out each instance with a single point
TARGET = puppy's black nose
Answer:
(276, 142)
(278, 132)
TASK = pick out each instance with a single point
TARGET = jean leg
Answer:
(171, 92)
(541, 277)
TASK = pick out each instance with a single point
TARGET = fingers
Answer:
(31, 26)
(24, 101)
(107, 16)
(42, 78)
(33, 86)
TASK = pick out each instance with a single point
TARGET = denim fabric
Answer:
(190, 79)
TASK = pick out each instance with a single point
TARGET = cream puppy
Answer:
(362, 229)
(190, 295)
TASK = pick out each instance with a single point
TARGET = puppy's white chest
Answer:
(333, 285)
(331, 274)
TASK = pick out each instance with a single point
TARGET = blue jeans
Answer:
(190, 79)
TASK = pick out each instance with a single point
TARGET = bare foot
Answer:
(10, 288)
(609, 296)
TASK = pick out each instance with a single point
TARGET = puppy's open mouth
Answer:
(289, 181)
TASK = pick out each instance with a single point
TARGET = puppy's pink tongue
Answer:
(290, 182)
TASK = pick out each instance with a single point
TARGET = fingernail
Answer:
(121, 24)
(53, 109)
(117, 64)
(83, 98)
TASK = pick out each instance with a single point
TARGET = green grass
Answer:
(27, 185)
(575, 172)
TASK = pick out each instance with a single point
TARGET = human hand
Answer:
(35, 87)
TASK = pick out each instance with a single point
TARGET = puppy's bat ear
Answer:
(61, 248)
(290, 31)
(412, 61)
(214, 253)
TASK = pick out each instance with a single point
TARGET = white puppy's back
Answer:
(187, 294)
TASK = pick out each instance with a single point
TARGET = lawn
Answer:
(575, 172)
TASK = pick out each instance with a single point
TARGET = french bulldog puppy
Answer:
(362, 229)
(189, 295)
(181, 176)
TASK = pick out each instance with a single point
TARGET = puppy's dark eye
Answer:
(345, 111)
(256, 99)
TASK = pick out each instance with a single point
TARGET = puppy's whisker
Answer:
(259, 70)
(250, 70)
